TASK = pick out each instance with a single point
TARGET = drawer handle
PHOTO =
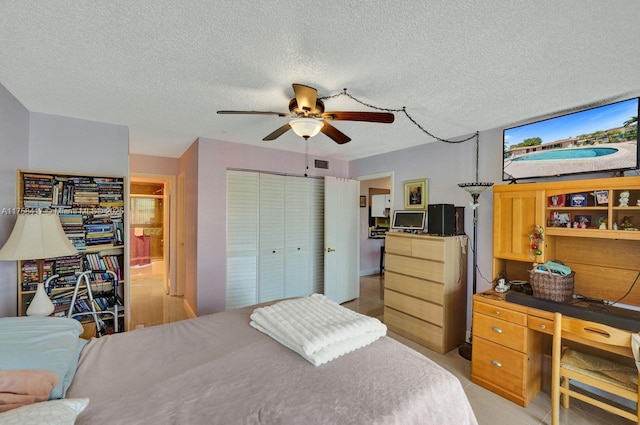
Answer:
(496, 363)
(543, 326)
(497, 313)
(497, 329)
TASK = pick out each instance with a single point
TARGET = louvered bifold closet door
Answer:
(316, 235)
(296, 260)
(271, 237)
(242, 238)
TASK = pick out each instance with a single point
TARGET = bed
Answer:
(216, 369)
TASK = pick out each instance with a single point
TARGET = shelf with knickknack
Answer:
(583, 223)
(92, 215)
(598, 213)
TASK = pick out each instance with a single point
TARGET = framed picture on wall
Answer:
(363, 201)
(416, 194)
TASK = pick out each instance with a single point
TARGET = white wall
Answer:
(14, 145)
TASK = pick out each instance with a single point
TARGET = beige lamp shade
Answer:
(37, 236)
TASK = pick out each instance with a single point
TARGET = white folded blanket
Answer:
(317, 328)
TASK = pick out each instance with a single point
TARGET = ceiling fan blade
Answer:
(305, 96)
(338, 136)
(382, 117)
(279, 132)
(280, 114)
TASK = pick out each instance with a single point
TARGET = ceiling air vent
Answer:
(320, 163)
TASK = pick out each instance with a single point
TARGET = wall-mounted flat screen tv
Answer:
(600, 139)
(408, 220)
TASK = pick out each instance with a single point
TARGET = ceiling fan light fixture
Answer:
(306, 127)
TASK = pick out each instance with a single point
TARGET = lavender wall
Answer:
(71, 145)
(14, 145)
(445, 165)
(149, 164)
(214, 158)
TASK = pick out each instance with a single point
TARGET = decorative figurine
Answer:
(603, 224)
(626, 222)
(624, 198)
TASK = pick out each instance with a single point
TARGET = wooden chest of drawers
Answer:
(506, 349)
(425, 289)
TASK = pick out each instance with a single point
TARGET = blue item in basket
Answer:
(554, 267)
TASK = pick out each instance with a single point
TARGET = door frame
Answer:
(170, 225)
(376, 176)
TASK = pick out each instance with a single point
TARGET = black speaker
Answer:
(441, 219)
(460, 221)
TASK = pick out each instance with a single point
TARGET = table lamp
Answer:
(35, 237)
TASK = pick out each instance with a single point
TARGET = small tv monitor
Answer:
(600, 139)
(408, 220)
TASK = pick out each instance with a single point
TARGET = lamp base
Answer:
(465, 350)
(40, 305)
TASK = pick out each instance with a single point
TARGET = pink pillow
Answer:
(22, 387)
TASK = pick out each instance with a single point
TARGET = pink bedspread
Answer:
(217, 369)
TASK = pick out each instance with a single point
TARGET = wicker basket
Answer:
(550, 286)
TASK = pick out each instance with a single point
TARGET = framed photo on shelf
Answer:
(560, 219)
(578, 200)
(557, 200)
(602, 197)
(416, 194)
(363, 201)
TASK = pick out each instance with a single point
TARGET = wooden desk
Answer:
(510, 342)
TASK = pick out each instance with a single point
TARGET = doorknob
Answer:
(331, 250)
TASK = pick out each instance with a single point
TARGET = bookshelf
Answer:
(92, 214)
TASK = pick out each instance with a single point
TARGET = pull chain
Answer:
(306, 155)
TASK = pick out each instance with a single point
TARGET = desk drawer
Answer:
(540, 325)
(501, 313)
(500, 331)
(498, 365)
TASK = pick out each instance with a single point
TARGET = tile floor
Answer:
(150, 306)
(490, 409)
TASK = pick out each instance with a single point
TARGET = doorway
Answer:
(151, 223)
(373, 225)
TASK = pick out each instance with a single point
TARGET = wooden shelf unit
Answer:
(506, 336)
(605, 260)
(109, 204)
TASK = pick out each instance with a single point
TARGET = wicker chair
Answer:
(603, 374)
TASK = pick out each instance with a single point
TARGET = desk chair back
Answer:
(603, 374)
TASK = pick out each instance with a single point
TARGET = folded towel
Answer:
(554, 267)
(22, 387)
(317, 328)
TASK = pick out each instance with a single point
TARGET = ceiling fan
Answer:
(310, 118)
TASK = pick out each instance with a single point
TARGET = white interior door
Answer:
(271, 230)
(341, 255)
(242, 239)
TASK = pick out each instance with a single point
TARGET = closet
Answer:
(275, 237)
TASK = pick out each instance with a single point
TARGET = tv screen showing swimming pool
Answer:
(600, 139)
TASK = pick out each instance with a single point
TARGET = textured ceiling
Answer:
(164, 68)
